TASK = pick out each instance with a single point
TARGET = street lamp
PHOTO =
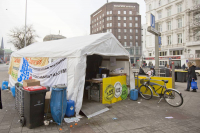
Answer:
(25, 22)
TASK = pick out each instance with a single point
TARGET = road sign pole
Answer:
(156, 55)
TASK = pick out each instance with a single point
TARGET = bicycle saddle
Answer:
(166, 81)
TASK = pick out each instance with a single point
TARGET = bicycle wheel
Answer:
(145, 92)
(173, 97)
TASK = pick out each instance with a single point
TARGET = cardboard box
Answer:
(30, 82)
(47, 102)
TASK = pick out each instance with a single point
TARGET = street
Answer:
(127, 116)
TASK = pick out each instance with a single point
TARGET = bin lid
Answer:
(34, 88)
(60, 86)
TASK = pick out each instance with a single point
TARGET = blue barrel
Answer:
(58, 103)
(13, 90)
(70, 108)
(134, 94)
(4, 85)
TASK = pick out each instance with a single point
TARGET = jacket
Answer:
(191, 73)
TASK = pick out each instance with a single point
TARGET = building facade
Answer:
(123, 21)
(180, 39)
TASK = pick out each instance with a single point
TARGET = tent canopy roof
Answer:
(102, 44)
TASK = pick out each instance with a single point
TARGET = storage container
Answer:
(4, 85)
(70, 108)
(13, 91)
(134, 94)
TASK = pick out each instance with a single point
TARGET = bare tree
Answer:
(17, 36)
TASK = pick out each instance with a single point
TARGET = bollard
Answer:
(173, 75)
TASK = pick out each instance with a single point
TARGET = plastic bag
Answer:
(194, 84)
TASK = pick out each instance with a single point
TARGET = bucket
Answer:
(13, 90)
(4, 85)
(134, 94)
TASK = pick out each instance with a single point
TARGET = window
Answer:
(119, 18)
(180, 23)
(100, 17)
(169, 25)
(136, 37)
(100, 22)
(125, 37)
(149, 7)
(160, 3)
(169, 40)
(97, 24)
(136, 18)
(119, 30)
(130, 24)
(160, 27)
(119, 24)
(110, 24)
(168, 12)
(124, 18)
(130, 18)
(136, 30)
(110, 18)
(130, 12)
(124, 24)
(131, 44)
(97, 29)
(136, 24)
(131, 30)
(103, 15)
(131, 37)
(110, 12)
(136, 43)
(97, 18)
(197, 35)
(119, 37)
(119, 12)
(100, 28)
(124, 12)
(179, 38)
(150, 54)
(179, 8)
(107, 24)
(159, 15)
(124, 30)
(125, 44)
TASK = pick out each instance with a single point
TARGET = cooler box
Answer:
(4, 85)
(70, 108)
(34, 102)
(134, 94)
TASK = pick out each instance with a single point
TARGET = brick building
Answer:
(122, 19)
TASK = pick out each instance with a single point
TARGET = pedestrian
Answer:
(141, 71)
(183, 66)
(191, 76)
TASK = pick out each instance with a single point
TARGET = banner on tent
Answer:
(15, 63)
(52, 74)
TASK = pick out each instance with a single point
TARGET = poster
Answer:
(52, 74)
(15, 62)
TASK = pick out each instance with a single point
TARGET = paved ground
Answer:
(132, 117)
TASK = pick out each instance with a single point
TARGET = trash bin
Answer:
(134, 94)
(34, 102)
(58, 103)
(70, 108)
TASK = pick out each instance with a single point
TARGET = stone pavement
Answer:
(142, 116)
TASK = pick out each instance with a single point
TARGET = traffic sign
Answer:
(152, 21)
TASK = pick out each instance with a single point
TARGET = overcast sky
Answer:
(71, 17)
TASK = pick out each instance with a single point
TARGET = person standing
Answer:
(191, 76)
(183, 66)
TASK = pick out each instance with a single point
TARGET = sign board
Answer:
(170, 58)
(152, 21)
(153, 31)
(159, 40)
(159, 47)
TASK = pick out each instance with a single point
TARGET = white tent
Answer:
(76, 50)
